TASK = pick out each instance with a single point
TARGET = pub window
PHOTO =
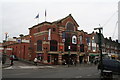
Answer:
(53, 45)
(39, 45)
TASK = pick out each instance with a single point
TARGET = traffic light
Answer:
(81, 47)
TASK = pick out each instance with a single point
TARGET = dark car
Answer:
(110, 64)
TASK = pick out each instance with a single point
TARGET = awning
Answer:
(93, 54)
(82, 54)
(116, 56)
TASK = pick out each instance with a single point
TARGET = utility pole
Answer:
(100, 48)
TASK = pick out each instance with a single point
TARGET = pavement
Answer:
(28, 64)
(24, 65)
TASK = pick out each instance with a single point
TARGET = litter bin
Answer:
(107, 74)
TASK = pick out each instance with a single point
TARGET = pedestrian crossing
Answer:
(29, 67)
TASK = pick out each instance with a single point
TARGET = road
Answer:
(56, 72)
(25, 70)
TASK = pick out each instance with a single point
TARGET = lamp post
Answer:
(4, 50)
(21, 35)
(6, 33)
(30, 48)
(69, 46)
(100, 48)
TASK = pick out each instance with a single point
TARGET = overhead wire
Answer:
(115, 29)
(110, 18)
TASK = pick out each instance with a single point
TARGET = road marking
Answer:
(78, 77)
(9, 67)
(27, 67)
(97, 73)
(88, 75)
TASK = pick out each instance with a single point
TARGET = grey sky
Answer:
(18, 15)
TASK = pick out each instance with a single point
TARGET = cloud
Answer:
(18, 15)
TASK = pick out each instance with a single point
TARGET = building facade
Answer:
(58, 41)
(17, 46)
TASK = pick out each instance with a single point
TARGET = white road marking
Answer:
(9, 67)
(28, 67)
(25, 67)
(88, 75)
(78, 77)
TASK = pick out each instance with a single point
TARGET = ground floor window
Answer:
(40, 57)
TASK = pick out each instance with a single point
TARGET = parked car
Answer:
(110, 64)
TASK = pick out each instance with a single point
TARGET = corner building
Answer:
(53, 42)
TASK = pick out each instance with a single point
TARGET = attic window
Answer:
(70, 26)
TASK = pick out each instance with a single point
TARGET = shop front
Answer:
(66, 58)
(81, 58)
(51, 58)
(93, 57)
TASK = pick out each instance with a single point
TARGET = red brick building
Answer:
(50, 41)
(14, 46)
(53, 42)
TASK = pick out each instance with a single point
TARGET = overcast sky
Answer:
(18, 15)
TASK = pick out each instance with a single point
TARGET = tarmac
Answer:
(20, 64)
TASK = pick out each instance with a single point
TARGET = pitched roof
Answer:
(40, 24)
(56, 22)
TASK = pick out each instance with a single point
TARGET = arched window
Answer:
(39, 45)
(69, 26)
(53, 45)
(74, 39)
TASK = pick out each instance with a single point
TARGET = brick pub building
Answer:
(61, 40)
(53, 42)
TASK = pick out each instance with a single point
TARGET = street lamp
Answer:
(30, 48)
(69, 46)
(6, 33)
(4, 50)
(100, 48)
(21, 35)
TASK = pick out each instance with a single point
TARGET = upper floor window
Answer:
(38, 29)
(53, 45)
(39, 45)
(81, 38)
(74, 39)
(70, 26)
